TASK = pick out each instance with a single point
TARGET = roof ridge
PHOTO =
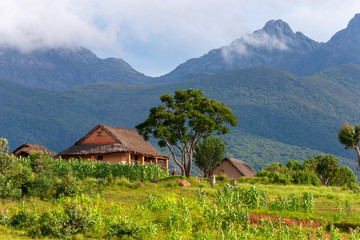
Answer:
(128, 138)
(102, 126)
(109, 130)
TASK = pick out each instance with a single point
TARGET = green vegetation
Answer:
(45, 197)
(226, 212)
(40, 175)
(349, 136)
(3, 146)
(183, 120)
(208, 154)
(319, 170)
(280, 116)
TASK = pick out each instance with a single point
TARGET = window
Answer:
(99, 133)
(100, 157)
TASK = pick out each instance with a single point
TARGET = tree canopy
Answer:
(183, 120)
(349, 136)
(208, 154)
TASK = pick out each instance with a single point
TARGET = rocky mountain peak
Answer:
(354, 23)
(277, 27)
(349, 37)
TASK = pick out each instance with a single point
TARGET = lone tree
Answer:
(208, 154)
(350, 138)
(182, 120)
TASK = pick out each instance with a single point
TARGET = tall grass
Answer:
(94, 169)
(164, 216)
(45, 177)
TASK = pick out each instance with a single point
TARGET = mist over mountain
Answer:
(276, 45)
(273, 44)
(61, 68)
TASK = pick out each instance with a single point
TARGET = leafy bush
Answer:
(305, 178)
(23, 217)
(124, 227)
(275, 177)
(319, 170)
(45, 177)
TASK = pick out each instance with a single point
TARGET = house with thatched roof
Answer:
(116, 145)
(234, 168)
(27, 148)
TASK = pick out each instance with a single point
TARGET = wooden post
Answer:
(142, 160)
(128, 157)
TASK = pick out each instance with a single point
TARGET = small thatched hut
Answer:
(234, 168)
(114, 144)
(25, 150)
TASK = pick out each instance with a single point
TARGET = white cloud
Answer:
(144, 32)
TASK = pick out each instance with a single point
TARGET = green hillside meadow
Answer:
(280, 116)
(42, 197)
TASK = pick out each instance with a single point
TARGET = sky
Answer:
(155, 36)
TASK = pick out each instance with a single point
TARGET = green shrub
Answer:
(305, 178)
(49, 224)
(23, 218)
(294, 165)
(319, 170)
(121, 227)
(275, 177)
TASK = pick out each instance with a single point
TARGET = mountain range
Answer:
(275, 45)
(290, 94)
(61, 68)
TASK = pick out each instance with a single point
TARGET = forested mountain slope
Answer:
(280, 115)
(61, 68)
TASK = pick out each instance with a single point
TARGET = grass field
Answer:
(164, 210)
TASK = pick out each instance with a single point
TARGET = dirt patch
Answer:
(256, 218)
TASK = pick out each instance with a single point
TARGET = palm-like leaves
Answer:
(349, 136)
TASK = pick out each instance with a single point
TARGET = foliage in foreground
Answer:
(227, 216)
(45, 177)
(169, 216)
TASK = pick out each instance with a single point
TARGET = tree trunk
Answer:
(358, 153)
(174, 156)
(188, 167)
(183, 173)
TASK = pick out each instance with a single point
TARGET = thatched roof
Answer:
(241, 166)
(27, 148)
(127, 141)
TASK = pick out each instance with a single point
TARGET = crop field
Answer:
(44, 198)
(145, 210)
